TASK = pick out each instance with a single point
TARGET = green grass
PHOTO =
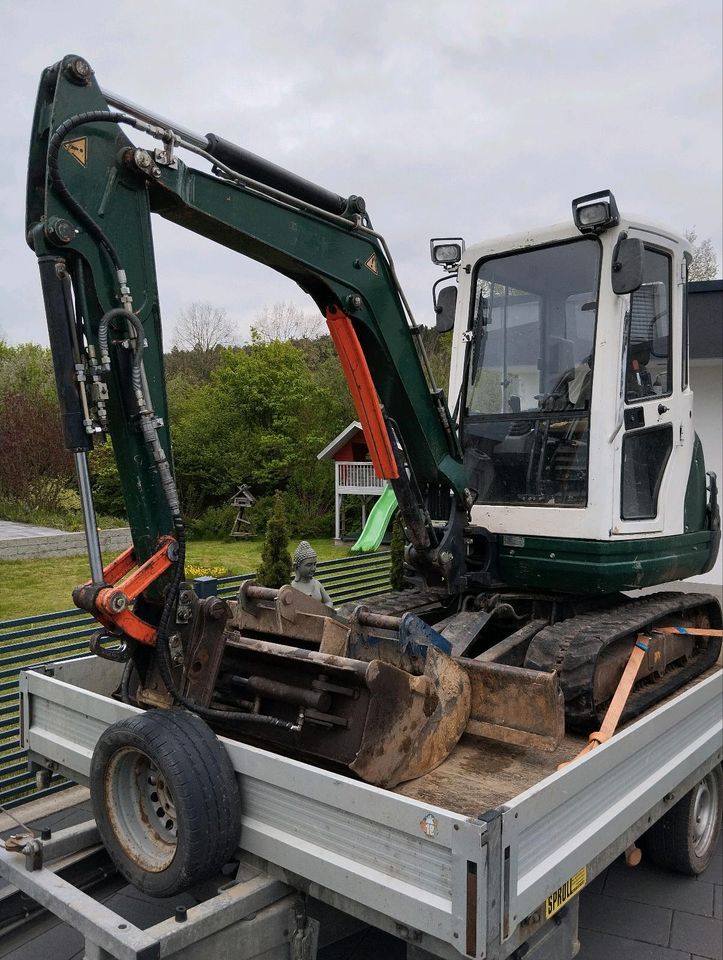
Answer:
(41, 586)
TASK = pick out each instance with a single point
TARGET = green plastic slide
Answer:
(377, 523)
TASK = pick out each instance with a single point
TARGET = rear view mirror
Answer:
(444, 307)
(627, 266)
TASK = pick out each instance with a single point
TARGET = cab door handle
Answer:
(662, 409)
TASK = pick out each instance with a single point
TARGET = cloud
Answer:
(466, 117)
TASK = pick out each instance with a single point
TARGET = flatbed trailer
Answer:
(479, 858)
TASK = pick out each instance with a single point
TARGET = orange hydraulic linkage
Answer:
(363, 393)
(111, 604)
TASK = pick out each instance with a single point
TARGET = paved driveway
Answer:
(19, 531)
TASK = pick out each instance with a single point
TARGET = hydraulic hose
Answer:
(54, 145)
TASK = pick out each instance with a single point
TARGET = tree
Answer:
(28, 369)
(275, 569)
(285, 321)
(704, 265)
(35, 467)
(261, 420)
(203, 328)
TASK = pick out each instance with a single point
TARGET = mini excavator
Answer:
(568, 473)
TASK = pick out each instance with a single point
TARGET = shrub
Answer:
(34, 467)
(309, 515)
(275, 568)
(215, 523)
(105, 481)
(192, 571)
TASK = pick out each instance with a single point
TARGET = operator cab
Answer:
(570, 375)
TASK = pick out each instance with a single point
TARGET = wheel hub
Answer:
(705, 815)
(141, 809)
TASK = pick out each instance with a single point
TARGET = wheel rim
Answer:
(706, 806)
(141, 809)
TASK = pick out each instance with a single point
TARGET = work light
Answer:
(446, 251)
(595, 212)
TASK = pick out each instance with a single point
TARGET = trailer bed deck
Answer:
(459, 862)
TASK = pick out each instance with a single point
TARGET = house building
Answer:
(705, 312)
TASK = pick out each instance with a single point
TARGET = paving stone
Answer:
(647, 884)
(718, 902)
(627, 918)
(714, 872)
(605, 946)
(597, 885)
(60, 942)
(700, 935)
(66, 818)
(144, 911)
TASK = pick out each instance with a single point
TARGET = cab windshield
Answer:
(529, 375)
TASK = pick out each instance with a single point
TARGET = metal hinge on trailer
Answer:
(476, 886)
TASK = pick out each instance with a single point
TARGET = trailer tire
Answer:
(165, 799)
(685, 839)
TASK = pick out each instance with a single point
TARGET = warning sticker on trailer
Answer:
(565, 893)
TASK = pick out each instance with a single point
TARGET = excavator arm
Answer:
(91, 193)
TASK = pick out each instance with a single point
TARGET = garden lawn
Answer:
(41, 586)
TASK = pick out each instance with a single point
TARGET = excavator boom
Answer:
(91, 193)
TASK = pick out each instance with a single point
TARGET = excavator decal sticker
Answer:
(371, 263)
(78, 149)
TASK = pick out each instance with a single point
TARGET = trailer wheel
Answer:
(165, 799)
(685, 839)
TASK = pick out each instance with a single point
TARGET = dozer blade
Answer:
(515, 705)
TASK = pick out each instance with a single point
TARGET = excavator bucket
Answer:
(413, 723)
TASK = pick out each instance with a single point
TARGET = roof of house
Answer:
(705, 311)
(347, 434)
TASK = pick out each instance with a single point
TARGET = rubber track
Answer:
(573, 646)
(395, 603)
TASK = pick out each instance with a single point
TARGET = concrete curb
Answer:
(61, 544)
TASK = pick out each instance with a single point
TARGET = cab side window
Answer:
(647, 362)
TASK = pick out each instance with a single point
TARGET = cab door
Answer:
(653, 455)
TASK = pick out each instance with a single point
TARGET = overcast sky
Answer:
(451, 118)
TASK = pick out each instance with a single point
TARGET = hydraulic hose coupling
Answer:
(125, 291)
